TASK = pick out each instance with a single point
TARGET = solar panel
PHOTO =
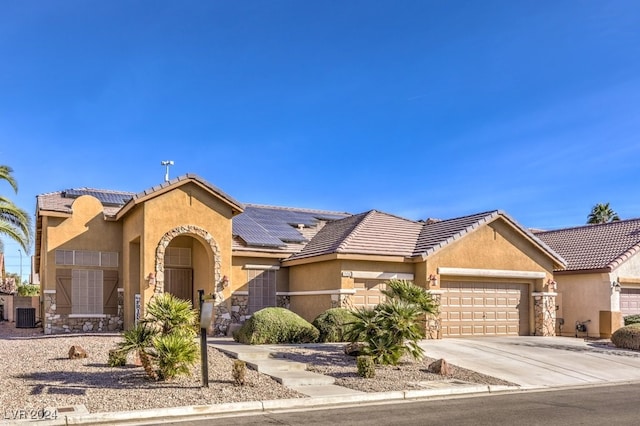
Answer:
(110, 198)
(263, 226)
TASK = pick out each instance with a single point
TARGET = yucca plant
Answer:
(139, 340)
(165, 339)
(176, 353)
(411, 293)
(169, 313)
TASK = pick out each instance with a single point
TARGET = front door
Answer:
(179, 282)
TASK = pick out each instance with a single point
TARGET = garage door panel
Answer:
(630, 301)
(368, 293)
(484, 309)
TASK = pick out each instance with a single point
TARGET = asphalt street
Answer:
(613, 405)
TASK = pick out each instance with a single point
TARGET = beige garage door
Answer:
(630, 301)
(484, 309)
(368, 293)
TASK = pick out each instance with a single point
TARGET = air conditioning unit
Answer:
(25, 317)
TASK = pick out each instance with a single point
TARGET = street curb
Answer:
(257, 407)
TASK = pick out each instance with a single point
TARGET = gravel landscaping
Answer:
(36, 372)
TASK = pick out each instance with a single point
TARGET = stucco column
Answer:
(544, 305)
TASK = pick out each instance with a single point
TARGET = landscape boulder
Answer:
(354, 348)
(76, 352)
(440, 367)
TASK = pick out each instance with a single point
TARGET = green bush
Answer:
(276, 325)
(28, 290)
(632, 319)
(334, 324)
(366, 366)
(627, 337)
(117, 358)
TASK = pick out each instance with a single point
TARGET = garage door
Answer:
(630, 301)
(484, 309)
(368, 293)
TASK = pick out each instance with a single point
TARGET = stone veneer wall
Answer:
(55, 323)
(433, 329)
(544, 305)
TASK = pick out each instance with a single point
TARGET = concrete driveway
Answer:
(539, 362)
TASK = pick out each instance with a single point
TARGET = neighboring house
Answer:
(601, 283)
(102, 255)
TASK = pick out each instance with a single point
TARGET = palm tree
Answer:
(602, 213)
(15, 223)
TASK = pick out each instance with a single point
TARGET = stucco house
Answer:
(601, 283)
(102, 255)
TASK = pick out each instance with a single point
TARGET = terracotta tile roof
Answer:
(377, 233)
(591, 247)
(60, 201)
(371, 232)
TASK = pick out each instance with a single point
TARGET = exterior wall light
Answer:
(615, 285)
(433, 279)
(151, 279)
(225, 282)
(552, 285)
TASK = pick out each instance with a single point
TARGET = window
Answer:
(107, 259)
(177, 256)
(86, 291)
(262, 289)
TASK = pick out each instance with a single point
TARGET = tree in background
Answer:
(602, 213)
(15, 223)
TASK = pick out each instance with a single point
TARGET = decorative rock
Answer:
(355, 348)
(76, 352)
(440, 367)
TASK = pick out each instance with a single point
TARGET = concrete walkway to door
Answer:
(539, 362)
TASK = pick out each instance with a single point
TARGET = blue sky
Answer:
(417, 108)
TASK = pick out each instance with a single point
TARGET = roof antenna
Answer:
(166, 164)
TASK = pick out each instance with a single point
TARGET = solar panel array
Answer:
(274, 227)
(107, 198)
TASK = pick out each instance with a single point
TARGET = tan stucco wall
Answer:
(188, 204)
(315, 276)
(309, 307)
(85, 230)
(497, 246)
(581, 298)
(629, 269)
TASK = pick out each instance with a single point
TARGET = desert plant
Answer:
(391, 330)
(632, 319)
(138, 340)
(176, 353)
(410, 293)
(627, 337)
(165, 339)
(239, 372)
(366, 366)
(169, 313)
(276, 325)
(333, 324)
(117, 358)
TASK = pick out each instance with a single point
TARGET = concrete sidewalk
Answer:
(539, 362)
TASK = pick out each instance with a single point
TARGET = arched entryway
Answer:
(188, 259)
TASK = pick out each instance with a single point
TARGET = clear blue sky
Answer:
(417, 108)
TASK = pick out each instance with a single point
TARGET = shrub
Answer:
(28, 290)
(366, 366)
(117, 358)
(165, 339)
(632, 319)
(333, 324)
(408, 292)
(391, 330)
(239, 372)
(276, 325)
(627, 337)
